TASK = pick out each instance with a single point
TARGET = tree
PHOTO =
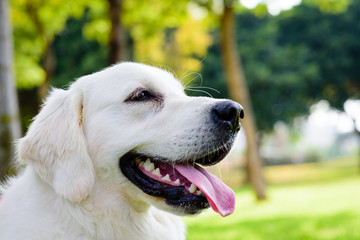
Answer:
(116, 39)
(331, 40)
(159, 33)
(239, 92)
(36, 22)
(80, 57)
(294, 60)
(9, 114)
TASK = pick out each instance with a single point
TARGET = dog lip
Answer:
(177, 196)
(212, 158)
(215, 156)
(166, 182)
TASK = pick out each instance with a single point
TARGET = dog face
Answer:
(132, 128)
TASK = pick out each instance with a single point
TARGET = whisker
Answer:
(190, 81)
(161, 66)
(219, 171)
(190, 69)
(199, 90)
(148, 62)
(203, 87)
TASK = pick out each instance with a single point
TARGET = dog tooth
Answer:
(198, 192)
(139, 162)
(156, 172)
(166, 178)
(192, 188)
(177, 182)
(152, 167)
(148, 165)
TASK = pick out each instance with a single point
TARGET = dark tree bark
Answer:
(9, 113)
(49, 58)
(116, 38)
(49, 64)
(239, 92)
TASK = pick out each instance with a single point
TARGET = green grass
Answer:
(319, 208)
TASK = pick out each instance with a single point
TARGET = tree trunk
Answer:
(49, 65)
(238, 91)
(357, 132)
(49, 57)
(116, 38)
(9, 113)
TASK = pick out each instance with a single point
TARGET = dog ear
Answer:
(55, 146)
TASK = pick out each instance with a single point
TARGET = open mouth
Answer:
(182, 183)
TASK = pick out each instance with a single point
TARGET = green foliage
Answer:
(167, 35)
(260, 10)
(332, 41)
(159, 33)
(330, 6)
(35, 23)
(293, 60)
(146, 18)
(99, 27)
(76, 55)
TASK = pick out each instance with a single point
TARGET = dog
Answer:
(117, 156)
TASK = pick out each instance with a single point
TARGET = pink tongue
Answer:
(220, 197)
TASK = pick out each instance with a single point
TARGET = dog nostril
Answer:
(242, 114)
(228, 113)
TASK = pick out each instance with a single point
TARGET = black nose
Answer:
(228, 113)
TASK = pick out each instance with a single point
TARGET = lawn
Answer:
(322, 207)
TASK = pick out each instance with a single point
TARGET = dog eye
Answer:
(142, 95)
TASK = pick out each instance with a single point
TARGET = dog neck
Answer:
(108, 217)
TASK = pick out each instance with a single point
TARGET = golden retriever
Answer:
(117, 156)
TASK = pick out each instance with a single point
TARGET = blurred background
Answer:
(294, 65)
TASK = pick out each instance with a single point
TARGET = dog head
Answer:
(132, 127)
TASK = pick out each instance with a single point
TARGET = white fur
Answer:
(72, 186)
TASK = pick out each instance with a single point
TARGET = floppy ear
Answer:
(55, 145)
